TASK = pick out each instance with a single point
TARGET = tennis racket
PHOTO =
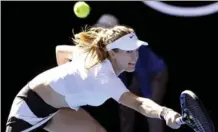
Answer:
(194, 113)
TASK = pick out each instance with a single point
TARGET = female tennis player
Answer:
(100, 55)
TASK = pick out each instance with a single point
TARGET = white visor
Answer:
(127, 42)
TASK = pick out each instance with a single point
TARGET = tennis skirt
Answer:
(29, 112)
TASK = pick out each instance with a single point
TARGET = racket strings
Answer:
(196, 120)
(198, 116)
(193, 122)
(197, 125)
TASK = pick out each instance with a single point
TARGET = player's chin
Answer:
(130, 69)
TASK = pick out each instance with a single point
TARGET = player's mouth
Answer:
(131, 64)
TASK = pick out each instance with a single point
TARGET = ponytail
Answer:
(92, 44)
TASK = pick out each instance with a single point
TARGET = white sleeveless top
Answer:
(86, 88)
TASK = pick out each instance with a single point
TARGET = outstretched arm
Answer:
(149, 108)
(63, 53)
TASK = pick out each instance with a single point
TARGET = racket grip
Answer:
(180, 121)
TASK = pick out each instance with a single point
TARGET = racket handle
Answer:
(180, 121)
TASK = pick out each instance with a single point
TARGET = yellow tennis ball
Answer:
(81, 9)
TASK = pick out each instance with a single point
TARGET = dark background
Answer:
(31, 30)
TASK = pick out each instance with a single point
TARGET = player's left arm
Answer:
(63, 53)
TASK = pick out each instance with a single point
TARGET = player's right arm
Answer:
(63, 53)
(149, 108)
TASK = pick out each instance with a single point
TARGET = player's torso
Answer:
(66, 86)
(41, 85)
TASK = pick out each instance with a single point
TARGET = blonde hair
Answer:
(94, 40)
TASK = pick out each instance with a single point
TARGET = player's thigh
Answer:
(67, 120)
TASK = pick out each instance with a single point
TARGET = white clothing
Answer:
(86, 88)
(79, 87)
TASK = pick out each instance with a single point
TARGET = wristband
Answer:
(164, 113)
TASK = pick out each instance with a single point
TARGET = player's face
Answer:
(126, 60)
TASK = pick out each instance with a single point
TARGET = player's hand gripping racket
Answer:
(194, 114)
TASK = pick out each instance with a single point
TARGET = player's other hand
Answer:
(170, 117)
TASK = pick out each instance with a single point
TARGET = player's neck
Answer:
(116, 68)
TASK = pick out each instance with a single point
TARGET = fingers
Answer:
(171, 120)
(170, 117)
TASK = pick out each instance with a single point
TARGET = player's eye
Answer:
(129, 51)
